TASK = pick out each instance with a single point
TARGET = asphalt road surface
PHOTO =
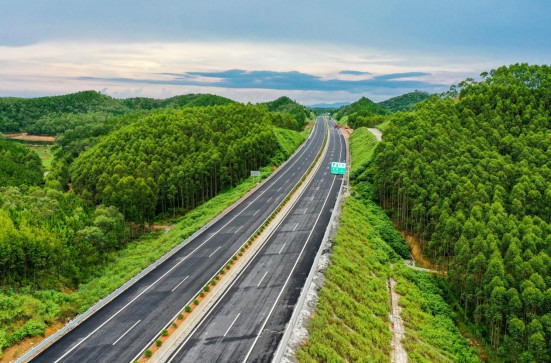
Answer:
(125, 327)
(249, 320)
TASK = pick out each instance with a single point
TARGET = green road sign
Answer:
(338, 168)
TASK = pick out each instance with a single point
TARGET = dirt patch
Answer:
(415, 246)
(18, 349)
(26, 137)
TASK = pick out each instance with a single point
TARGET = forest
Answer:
(18, 165)
(404, 102)
(469, 173)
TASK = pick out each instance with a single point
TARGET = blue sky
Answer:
(313, 51)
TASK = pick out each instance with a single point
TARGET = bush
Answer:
(148, 353)
(242, 249)
(164, 333)
(175, 325)
(196, 302)
(187, 309)
(202, 294)
(159, 343)
(206, 288)
(212, 282)
(234, 258)
(180, 316)
(217, 277)
(227, 267)
(222, 272)
(240, 254)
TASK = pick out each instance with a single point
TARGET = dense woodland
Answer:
(18, 165)
(404, 102)
(289, 114)
(470, 174)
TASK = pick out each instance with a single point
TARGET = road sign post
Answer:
(255, 173)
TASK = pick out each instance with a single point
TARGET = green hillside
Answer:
(404, 102)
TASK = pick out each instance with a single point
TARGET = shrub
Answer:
(148, 353)
(240, 254)
(217, 277)
(159, 343)
(180, 316)
(206, 288)
(187, 309)
(222, 272)
(164, 333)
(234, 258)
(175, 325)
(34, 328)
(227, 267)
(212, 282)
(196, 302)
(231, 262)
(242, 249)
(202, 294)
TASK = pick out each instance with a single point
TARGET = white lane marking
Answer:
(233, 322)
(269, 199)
(256, 212)
(282, 247)
(182, 260)
(122, 336)
(295, 227)
(290, 274)
(238, 229)
(181, 282)
(262, 279)
(305, 210)
(279, 189)
(214, 251)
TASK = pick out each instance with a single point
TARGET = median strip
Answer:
(192, 314)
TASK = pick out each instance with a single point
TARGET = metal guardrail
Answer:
(100, 304)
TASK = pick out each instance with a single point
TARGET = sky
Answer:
(254, 51)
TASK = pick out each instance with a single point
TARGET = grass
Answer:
(383, 126)
(289, 140)
(16, 309)
(362, 147)
(45, 154)
(351, 322)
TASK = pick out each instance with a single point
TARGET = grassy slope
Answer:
(49, 306)
(351, 320)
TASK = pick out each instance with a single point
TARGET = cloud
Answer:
(355, 73)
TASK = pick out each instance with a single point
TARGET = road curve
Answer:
(249, 320)
(120, 331)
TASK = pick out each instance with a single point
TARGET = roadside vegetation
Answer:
(404, 102)
(61, 251)
(469, 173)
(351, 321)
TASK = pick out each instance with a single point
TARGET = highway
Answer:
(247, 323)
(126, 326)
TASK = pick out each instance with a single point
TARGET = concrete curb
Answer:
(284, 348)
(211, 300)
(79, 319)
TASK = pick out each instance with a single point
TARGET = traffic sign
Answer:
(338, 168)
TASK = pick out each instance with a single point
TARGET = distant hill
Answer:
(54, 115)
(328, 105)
(286, 105)
(363, 106)
(404, 102)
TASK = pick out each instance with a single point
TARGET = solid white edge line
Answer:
(173, 355)
(262, 279)
(151, 342)
(126, 332)
(290, 274)
(233, 322)
(181, 282)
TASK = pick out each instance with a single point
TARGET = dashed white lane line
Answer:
(256, 212)
(295, 227)
(269, 199)
(126, 332)
(262, 279)
(238, 229)
(215, 251)
(282, 247)
(305, 210)
(181, 282)
(233, 322)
